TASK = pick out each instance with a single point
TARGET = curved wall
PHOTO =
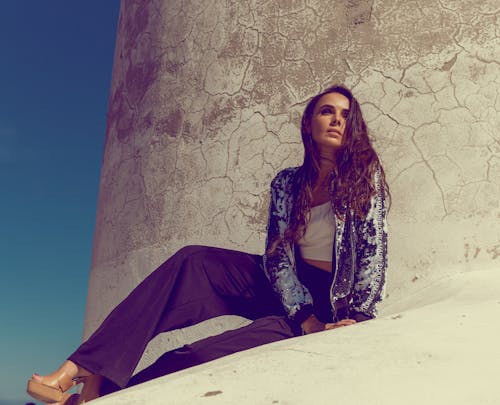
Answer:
(205, 106)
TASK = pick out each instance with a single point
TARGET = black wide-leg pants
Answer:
(195, 284)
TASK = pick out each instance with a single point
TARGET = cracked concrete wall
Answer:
(205, 106)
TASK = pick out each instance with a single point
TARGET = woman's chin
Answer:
(329, 148)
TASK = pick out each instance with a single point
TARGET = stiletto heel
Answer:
(91, 389)
(69, 399)
(52, 393)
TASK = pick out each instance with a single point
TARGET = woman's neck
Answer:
(327, 164)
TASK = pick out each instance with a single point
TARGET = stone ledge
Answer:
(439, 346)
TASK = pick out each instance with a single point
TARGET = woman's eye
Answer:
(345, 113)
(325, 111)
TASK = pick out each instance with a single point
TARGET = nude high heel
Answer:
(69, 399)
(91, 389)
(89, 392)
(52, 393)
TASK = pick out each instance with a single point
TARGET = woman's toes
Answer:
(36, 377)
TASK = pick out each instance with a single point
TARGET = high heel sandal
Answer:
(91, 389)
(69, 399)
(53, 393)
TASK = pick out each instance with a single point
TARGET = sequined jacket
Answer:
(359, 252)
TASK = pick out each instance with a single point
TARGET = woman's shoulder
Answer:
(284, 176)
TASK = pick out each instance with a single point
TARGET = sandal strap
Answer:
(65, 382)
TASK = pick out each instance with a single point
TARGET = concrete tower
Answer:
(204, 110)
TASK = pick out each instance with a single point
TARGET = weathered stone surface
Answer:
(437, 346)
(205, 104)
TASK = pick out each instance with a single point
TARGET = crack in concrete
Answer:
(199, 43)
(402, 171)
(320, 354)
(434, 176)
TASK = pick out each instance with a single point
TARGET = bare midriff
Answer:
(321, 264)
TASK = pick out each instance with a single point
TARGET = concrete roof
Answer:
(437, 346)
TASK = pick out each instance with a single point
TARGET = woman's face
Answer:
(328, 122)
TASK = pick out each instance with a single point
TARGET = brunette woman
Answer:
(324, 267)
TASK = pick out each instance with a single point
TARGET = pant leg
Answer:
(195, 284)
(261, 331)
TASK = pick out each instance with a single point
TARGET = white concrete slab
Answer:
(438, 346)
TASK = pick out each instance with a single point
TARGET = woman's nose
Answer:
(335, 120)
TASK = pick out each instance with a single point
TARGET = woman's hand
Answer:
(343, 322)
(313, 325)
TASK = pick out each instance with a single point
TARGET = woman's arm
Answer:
(280, 266)
(371, 256)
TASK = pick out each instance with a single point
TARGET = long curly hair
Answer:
(352, 184)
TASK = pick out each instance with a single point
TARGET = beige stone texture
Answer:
(437, 346)
(205, 107)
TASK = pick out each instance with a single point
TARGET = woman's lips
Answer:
(334, 131)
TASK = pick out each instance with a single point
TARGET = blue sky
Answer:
(55, 74)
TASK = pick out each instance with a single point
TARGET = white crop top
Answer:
(317, 242)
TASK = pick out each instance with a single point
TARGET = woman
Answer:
(325, 262)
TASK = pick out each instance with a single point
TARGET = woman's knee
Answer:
(196, 258)
(190, 250)
(216, 263)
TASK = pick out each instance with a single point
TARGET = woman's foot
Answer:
(51, 388)
(91, 390)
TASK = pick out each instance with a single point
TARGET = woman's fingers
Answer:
(347, 321)
(343, 322)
